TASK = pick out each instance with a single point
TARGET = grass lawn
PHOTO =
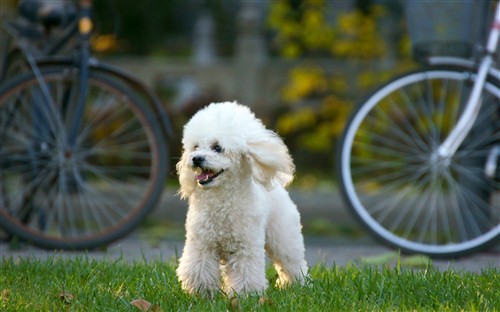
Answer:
(84, 284)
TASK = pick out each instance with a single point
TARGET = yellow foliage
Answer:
(358, 35)
(308, 30)
(315, 33)
(354, 34)
(318, 102)
(405, 45)
(321, 120)
(103, 43)
(291, 50)
(317, 140)
(301, 118)
(339, 84)
(369, 79)
(304, 82)
(336, 108)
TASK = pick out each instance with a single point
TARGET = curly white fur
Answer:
(233, 171)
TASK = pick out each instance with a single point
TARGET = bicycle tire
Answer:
(82, 198)
(390, 176)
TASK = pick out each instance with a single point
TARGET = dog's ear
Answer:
(270, 161)
(186, 178)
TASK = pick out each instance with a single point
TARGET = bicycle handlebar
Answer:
(491, 46)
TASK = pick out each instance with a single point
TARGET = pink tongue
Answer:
(203, 175)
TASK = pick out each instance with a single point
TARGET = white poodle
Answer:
(233, 171)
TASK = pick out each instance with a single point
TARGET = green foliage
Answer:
(84, 284)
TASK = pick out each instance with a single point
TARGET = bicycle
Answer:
(418, 161)
(83, 157)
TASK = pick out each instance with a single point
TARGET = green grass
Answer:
(83, 284)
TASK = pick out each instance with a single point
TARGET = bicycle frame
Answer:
(85, 28)
(137, 85)
(82, 27)
(451, 60)
(84, 23)
(471, 111)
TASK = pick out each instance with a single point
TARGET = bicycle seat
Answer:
(49, 13)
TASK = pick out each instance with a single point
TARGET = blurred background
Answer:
(301, 65)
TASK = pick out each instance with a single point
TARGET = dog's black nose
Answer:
(198, 160)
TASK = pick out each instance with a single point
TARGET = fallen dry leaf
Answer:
(235, 304)
(66, 296)
(141, 304)
(156, 308)
(144, 306)
(5, 294)
(265, 300)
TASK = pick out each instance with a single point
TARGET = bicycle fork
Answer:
(471, 111)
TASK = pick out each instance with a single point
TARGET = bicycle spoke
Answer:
(394, 135)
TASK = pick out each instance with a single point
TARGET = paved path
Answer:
(312, 205)
(318, 250)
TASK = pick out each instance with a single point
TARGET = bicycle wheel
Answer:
(81, 192)
(14, 63)
(395, 184)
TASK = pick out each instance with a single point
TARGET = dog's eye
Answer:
(195, 147)
(217, 148)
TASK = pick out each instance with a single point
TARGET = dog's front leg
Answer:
(244, 272)
(199, 270)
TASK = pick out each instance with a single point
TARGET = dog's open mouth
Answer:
(207, 176)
